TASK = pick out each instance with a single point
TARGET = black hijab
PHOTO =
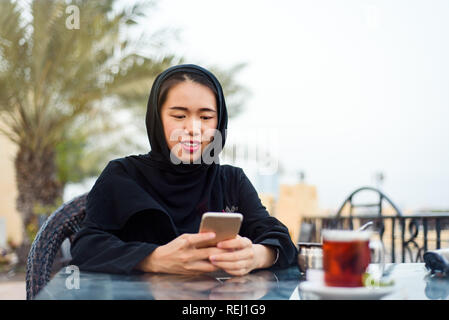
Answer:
(160, 152)
(151, 181)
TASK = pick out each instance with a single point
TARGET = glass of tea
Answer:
(347, 255)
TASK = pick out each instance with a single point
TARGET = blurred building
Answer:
(10, 220)
(296, 201)
(268, 201)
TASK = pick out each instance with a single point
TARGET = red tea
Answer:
(346, 256)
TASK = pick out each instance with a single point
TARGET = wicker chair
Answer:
(60, 225)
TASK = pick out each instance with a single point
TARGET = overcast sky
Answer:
(351, 87)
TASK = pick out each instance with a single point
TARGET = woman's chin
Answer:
(192, 159)
(188, 157)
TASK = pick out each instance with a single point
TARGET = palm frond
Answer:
(58, 85)
(236, 94)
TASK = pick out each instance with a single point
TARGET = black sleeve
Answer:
(98, 250)
(262, 228)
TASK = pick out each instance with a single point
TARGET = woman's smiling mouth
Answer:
(191, 146)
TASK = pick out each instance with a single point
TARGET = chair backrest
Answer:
(60, 225)
(378, 204)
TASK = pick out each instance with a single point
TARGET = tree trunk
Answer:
(37, 183)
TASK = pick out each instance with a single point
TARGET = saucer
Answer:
(343, 293)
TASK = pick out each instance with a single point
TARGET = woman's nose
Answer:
(193, 127)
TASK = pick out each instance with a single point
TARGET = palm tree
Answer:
(235, 93)
(55, 80)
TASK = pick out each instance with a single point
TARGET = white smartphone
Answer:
(225, 225)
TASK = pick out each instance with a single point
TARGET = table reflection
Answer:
(437, 288)
(211, 286)
(273, 283)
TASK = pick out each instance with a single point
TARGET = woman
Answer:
(143, 212)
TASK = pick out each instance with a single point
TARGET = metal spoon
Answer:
(365, 226)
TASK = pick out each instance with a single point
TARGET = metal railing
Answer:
(406, 237)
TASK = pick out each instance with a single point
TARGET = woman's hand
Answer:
(180, 256)
(243, 256)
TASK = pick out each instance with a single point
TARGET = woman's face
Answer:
(189, 118)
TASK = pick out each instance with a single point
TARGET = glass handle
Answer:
(377, 249)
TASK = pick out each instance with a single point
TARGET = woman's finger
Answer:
(198, 238)
(236, 243)
(232, 265)
(200, 266)
(243, 254)
(206, 253)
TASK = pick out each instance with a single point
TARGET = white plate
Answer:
(340, 293)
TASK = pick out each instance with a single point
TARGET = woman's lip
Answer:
(190, 147)
(191, 142)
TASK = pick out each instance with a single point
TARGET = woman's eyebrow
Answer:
(178, 108)
(186, 109)
(207, 109)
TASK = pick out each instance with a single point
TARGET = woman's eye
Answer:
(206, 118)
(178, 117)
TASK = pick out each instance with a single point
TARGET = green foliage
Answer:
(235, 93)
(63, 88)
(31, 230)
(51, 75)
(46, 210)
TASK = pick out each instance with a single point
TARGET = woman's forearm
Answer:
(265, 256)
(143, 265)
